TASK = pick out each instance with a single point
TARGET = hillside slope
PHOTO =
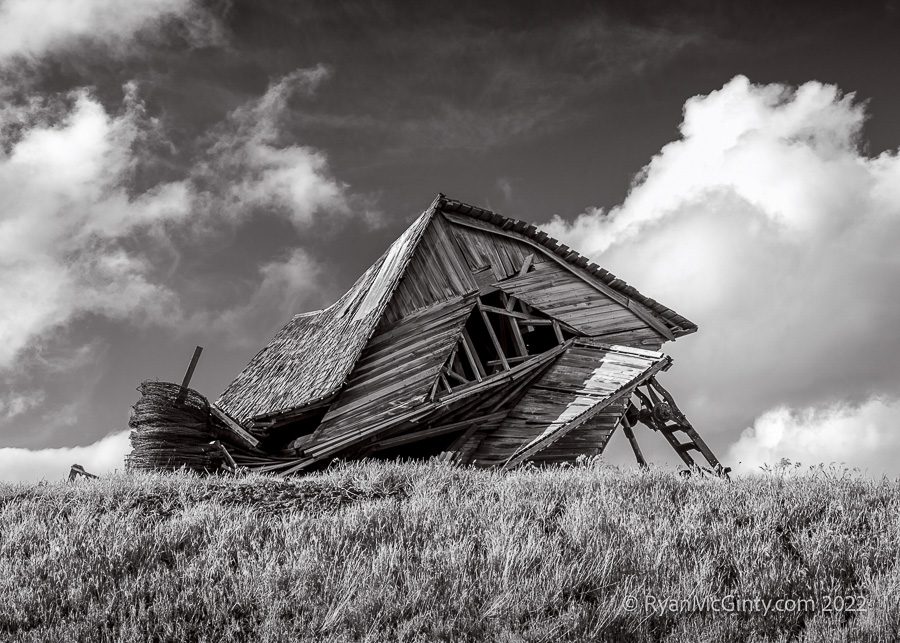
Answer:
(379, 551)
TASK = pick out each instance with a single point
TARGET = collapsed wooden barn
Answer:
(475, 338)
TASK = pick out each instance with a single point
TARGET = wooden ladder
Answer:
(659, 412)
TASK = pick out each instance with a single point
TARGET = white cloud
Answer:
(32, 28)
(251, 169)
(65, 215)
(863, 436)
(75, 238)
(31, 465)
(768, 226)
(15, 403)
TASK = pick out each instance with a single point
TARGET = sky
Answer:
(177, 173)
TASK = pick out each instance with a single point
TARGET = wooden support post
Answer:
(493, 335)
(474, 361)
(558, 331)
(517, 334)
(189, 374)
(632, 440)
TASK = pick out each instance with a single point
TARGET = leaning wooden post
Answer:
(632, 440)
(189, 374)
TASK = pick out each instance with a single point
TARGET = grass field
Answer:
(384, 552)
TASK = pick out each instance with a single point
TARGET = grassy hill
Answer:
(383, 552)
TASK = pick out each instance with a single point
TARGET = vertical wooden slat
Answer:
(558, 331)
(189, 374)
(493, 335)
(472, 354)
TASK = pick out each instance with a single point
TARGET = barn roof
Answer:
(310, 358)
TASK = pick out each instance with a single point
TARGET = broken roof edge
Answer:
(275, 415)
(678, 325)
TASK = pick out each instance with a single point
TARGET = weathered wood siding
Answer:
(437, 272)
(580, 384)
(557, 292)
(589, 439)
(397, 369)
(483, 249)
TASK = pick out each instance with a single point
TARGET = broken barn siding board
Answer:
(556, 292)
(585, 377)
(636, 307)
(233, 426)
(410, 361)
(592, 398)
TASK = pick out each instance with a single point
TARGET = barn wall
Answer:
(577, 386)
(397, 369)
(504, 255)
(436, 273)
(559, 293)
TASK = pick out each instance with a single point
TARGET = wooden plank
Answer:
(493, 336)
(182, 394)
(638, 309)
(435, 431)
(558, 332)
(233, 426)
(474, 360)
(526, 264)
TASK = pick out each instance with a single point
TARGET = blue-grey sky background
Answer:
(183, 172)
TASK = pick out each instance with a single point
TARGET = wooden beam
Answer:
(509, 313)
(456, 376)
(189, 374)
(644, 313)
(510, 360)
(434, 431)
(526, 264)
(517, 333)
(558, 331)
(233, 426)
(474, 361)
(493, 335)
(632, 440)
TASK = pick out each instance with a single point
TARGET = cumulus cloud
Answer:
(76, 238)
(64, 219)
(252, 169)
(862, 436)
(30, 29)
(31, 465)
(767, 225)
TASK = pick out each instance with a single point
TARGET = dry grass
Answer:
(380, 551)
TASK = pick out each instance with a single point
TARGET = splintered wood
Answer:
(474, 338)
